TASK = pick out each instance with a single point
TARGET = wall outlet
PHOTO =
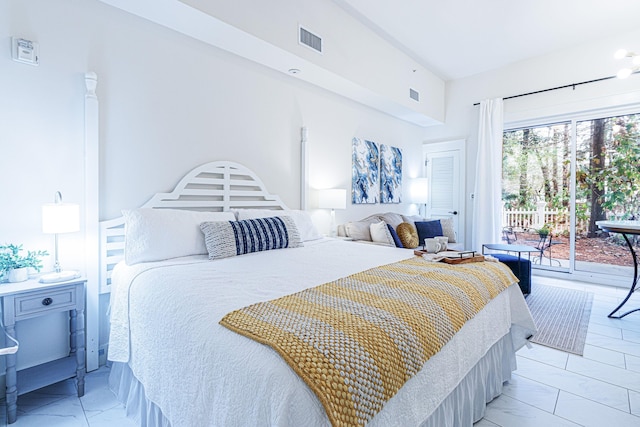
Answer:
(24, 51)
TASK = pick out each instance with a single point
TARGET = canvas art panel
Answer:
(365, 173)
(390, 174)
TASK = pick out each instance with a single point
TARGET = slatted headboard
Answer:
(216, 186)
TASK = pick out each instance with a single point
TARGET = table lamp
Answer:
(419, 193)
(58, 218)
(332, 198)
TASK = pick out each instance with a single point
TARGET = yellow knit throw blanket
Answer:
(357, 340)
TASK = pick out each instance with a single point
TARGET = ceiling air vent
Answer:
(414, 94)
(310, 40)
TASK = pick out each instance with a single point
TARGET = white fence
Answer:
(557, 219)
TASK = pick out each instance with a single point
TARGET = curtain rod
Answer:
(572, 85)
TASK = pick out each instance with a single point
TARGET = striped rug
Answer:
(561, 316)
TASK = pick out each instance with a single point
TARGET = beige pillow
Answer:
(391, 218)
(358, 230)
(380, 234)
(447, 229)
(408, 235)
(412, 218)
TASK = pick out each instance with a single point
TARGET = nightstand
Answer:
(26, 300)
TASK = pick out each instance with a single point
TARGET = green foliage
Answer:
(536, 166)
(544, 230)
(618, 181)
(10, 258)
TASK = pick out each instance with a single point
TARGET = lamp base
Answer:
(61, 276)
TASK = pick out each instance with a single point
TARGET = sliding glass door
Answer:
(536, 191)
(559, 179)
(607, 187)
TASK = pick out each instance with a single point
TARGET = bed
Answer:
(173, 363)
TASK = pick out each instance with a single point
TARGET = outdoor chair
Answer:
(545, 243)
(509, 235)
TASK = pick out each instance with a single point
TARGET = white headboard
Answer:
(216, 186)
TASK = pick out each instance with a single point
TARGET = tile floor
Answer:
(550, 388)
(59, 406)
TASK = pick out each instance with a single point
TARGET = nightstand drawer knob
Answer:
(47, 301)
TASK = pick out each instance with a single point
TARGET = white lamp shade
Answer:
(419, 190)
(334, 198)
(60, 218)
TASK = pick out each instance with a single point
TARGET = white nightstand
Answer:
(26, 300)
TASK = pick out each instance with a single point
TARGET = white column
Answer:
(91, 216)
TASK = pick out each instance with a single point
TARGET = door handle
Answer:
(453, 212)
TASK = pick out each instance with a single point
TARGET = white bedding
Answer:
(165, 325)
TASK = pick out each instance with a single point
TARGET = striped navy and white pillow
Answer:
(230, 238)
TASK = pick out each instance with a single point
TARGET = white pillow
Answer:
(380, 233)
(158, 234)
(305, 226)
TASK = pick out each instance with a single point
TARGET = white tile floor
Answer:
(550, 388)
(59, 406)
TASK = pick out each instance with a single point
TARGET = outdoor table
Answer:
(625, 228)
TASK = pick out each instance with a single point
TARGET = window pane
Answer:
(607, 187)
(535, 193)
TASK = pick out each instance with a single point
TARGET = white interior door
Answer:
(444, 169)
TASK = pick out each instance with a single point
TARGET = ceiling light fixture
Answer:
(635, 63)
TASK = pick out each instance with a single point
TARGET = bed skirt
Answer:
(465, 405)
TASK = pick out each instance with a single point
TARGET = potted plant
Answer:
(544, 231)
(14, 266)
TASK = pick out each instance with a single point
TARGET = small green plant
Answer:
(544, 230)
(11, 258)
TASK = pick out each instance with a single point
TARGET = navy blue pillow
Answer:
(396, 239)
(428, 229)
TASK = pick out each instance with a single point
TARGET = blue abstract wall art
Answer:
(365, 173)
(390, 174)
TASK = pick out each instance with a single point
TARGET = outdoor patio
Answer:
(603, 251)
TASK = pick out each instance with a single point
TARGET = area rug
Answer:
(561, 316)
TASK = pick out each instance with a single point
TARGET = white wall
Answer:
(580, 63)
(168, 103)
(350, 49)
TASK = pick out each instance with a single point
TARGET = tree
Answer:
(523, 193)
(596, 166)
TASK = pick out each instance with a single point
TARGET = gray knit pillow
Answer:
(230, 238)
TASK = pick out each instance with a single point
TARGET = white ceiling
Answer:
(459, 38)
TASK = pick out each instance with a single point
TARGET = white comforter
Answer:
(164, 323)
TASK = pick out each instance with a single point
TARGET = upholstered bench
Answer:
(521, 267)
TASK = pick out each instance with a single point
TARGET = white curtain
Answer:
(487, 206)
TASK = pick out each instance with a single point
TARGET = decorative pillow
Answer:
(408, 235)
(305, 226)
(359, 230)
(231, 238)
(412, 218)
(394, 235)
(158, 234)
(393, 219)
(428, 229)
(447, 229)
(380, 233)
